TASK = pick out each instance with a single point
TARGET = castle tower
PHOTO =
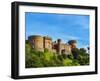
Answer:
(47, 43)
(36, 42)
(72, 43)
(59, 46)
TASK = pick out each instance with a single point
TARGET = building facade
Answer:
(39, 43)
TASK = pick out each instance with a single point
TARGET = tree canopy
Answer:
(34, 59)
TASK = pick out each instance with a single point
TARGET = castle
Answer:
(39, 43)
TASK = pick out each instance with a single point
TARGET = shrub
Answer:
(48, 59)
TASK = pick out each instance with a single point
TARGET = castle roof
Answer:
(32, 36)
(46, 37)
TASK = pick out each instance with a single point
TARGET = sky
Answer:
(59, 26)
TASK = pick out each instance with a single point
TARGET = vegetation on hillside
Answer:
(35, 59)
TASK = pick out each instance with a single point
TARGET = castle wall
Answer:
(59, 46)
(48, 43)
(66, 49)
(37, 42)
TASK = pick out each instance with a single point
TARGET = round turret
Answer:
(72, 43)
(36, 42)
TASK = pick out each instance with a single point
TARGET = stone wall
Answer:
(36, 42)
(39, 43)
(48, 43)
(65, 49)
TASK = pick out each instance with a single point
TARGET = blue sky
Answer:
(63, 26)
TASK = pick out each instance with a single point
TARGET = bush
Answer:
(67, 62)
(35, 59)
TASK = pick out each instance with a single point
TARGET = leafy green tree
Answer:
(37, 59)
(83, 57)
(83, 50)
(67, 62)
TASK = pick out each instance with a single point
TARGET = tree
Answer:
(83, 50)
(88, 48)
(34, 59)
(75, 53)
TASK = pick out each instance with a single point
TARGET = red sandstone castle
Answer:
(39, 43)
